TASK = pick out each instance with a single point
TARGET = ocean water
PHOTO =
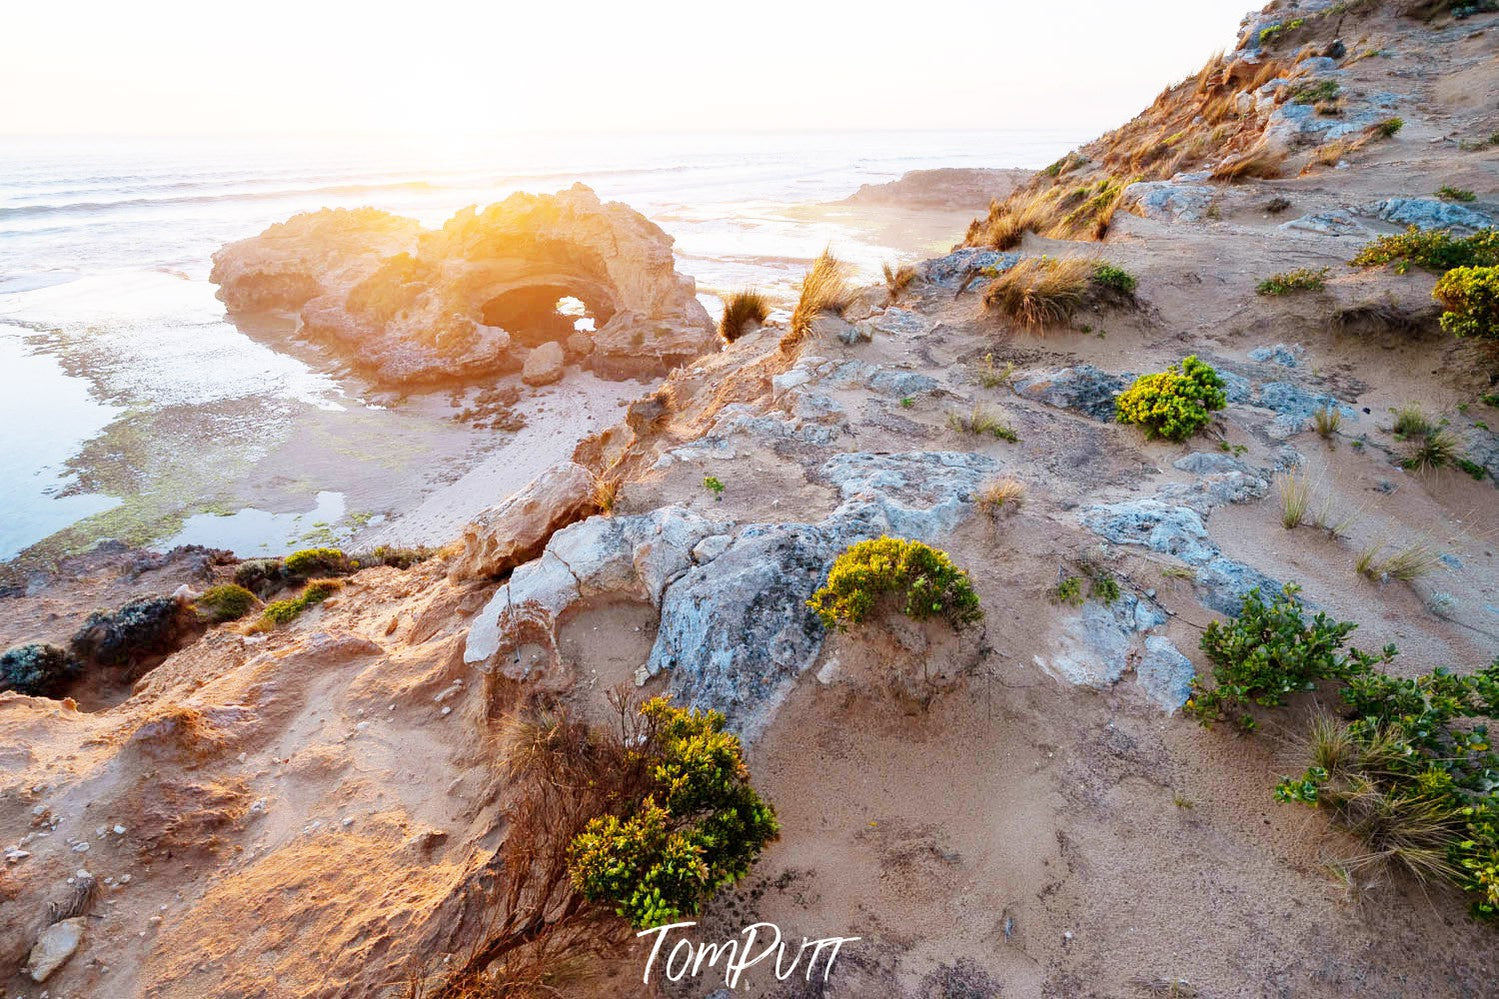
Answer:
(133, 409)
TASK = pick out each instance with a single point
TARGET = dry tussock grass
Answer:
(826, 288)
(1041, 291)
(1189, 126)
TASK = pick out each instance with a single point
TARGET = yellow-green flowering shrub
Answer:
(1471, 297)
(1175, 403)
(923, 576)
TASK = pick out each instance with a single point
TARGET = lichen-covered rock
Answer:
(1329, 223)
(1169, 200)
(1287, 355)
(1427, 213)
(735, 626)
(1095, 648)
(517, 529)
(39, 669)
(1161, 527)
(1085, 388)
(959, 267)
(628, 558)
(1165, 674)
(409, 306)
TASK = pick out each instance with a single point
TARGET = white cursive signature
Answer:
(738, 956)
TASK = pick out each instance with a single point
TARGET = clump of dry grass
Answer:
(1327, 421)
(1041, 291)
(606, 493)
(826, 288)
(1189, 126)
(1410, 562)
(1263, 162)
(980, 421)
(1002, 496)
(1295, 498)
(740, 310)
(897, 280)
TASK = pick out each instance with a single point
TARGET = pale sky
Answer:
(179, 67)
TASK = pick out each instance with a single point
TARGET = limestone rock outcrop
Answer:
(517, 529)
(408, 306)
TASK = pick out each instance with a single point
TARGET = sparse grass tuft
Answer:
(606, 493)
(1432, 451)
(1295, 498)
(897, 280)
(1327, 420)
(980, 421)
(1002, 496)
(991, 375)
(741, 310)
(1263, 162)
(1406, 564)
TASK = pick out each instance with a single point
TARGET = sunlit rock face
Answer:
(407, 306)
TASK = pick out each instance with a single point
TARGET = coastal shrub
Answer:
(311, 562)
(1449, 193)
(1267, 652)
(1301, 279)
(1115, 280)
(691, 823)
(1316, 92)
(1437, 250)
(228, 602)
(1470, 296)
(741, 310)
(714, 485)
(826, 288)
(396, 558)
(1040, 291)
(1175, 403)
(283, 611)
(1410, 771)
(925, 578)
(1388, 127)
(142, 629)
(39, 669)
(1069, 590)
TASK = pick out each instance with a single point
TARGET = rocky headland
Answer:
(478, 297)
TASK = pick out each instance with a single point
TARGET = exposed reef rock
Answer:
(407, 306)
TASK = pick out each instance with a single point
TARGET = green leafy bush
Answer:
(924, 576)
(314, 593)
(228, 602)
(311, 562)
(1315, 92)
(1411, 772)
(1301, 279)
(1389, 127)
(38, 669)
(1175, 403)
(1115, 279)
(1471, 297)
(695, 826)
(1437, 251)
(1267, 652)
(1450, 193)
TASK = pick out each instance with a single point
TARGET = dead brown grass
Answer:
(1262, 162)
(826, 288)
(740, 311)
(1041, 291)
(1190, 125)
